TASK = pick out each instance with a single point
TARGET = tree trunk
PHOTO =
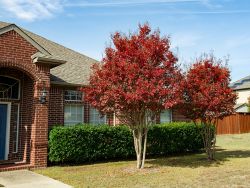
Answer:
(140, 146)
(139, 149)
(137, 145)
(214, 142)
(144, 147)
(209, 140)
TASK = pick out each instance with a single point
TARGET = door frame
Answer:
(7, 139)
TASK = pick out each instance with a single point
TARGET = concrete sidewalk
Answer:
(28, 179)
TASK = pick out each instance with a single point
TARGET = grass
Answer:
(231, 169)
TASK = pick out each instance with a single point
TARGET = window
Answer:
(96, 118)
(166, 116)
(71, 95)
(9, 88)
(73, 114)
(15, 121)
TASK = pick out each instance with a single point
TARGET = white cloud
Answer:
(212, 5)
(185, 39)
(112, 3)
(31, 10)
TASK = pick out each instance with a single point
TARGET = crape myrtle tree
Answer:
(208, 97)
(137, 79)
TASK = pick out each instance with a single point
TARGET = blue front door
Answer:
(3, 126)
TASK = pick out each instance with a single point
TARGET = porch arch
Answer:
(19, 126)
(26, 68)
(33, 116)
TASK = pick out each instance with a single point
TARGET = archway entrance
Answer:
(16, 108)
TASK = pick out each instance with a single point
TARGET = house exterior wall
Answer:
(57, 104)
(177, 116)
(243, 96)
(15, 55)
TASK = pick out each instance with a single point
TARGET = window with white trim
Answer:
(73, 114)
(72, 95)
(95, 117)
(15, 122)
(166, 116)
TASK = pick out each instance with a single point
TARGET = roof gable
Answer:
(24, 35)
(77, 69)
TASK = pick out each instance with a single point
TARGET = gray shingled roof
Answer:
(77, 68)
(243, 83)
(3, 24)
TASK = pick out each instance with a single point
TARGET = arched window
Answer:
(9, 88)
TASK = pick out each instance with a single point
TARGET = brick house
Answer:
(39, 82)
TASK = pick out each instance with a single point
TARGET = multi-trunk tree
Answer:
(208, 97)
(138, 78)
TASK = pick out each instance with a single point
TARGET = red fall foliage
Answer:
(139, 72)
(207, 95)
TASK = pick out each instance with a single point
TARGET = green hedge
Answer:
(85, 143)
(176, 137)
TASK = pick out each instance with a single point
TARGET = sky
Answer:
(195, 27)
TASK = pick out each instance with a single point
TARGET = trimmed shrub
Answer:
(176, 137)
(88, 143)
(83, 143)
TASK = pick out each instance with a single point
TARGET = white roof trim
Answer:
(25, 36)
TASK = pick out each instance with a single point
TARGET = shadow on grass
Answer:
(189, 160)
(199, 160)
(68, 164)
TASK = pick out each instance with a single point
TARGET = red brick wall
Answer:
(15, 54)
(56, 106)
(177, 116)
(86, 112)
(57, 103)
(26, 118)
(112, 120)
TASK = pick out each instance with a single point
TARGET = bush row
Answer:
(85, 143)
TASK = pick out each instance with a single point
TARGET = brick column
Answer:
(39, 132)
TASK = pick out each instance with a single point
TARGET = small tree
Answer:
(138, 78)
(208, 97)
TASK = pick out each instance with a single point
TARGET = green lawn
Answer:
(231, 169)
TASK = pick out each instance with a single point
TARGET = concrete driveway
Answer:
(28, 179)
